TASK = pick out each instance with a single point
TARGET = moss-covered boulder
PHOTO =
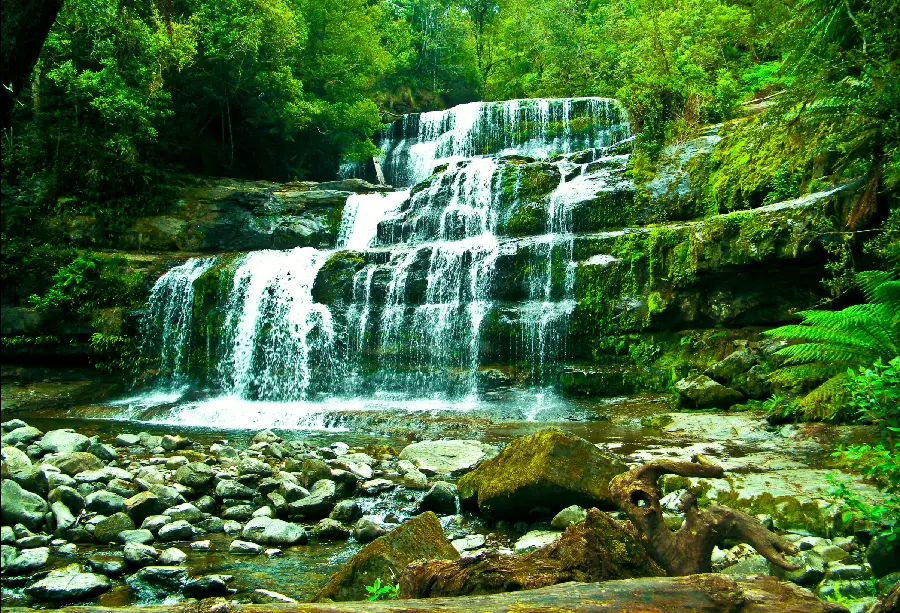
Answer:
(549, 471)
(596, 549)
(420, 538)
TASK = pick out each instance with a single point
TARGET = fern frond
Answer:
(826, 401)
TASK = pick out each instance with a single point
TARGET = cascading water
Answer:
(166, 326)
(423, 289)
(414, 146)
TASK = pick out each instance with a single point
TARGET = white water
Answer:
(166, 328)
(363, 213)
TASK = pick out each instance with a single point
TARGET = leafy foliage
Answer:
(376, 591)
(89, 282)
(875, 395)
(830, 342)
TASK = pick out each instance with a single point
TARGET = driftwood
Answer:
(688, 550)
(693, 594)
(597, 549)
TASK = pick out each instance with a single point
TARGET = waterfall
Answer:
(412, 301)
(275, 336)
(166, 326)
(538, 128)
(363, 213)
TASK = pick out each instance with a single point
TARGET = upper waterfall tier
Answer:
(414, 146)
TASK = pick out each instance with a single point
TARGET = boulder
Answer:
(320, 502)
(330, 530)
(68, 585)
(567, 517)
(103, 502)
(185, 511)
(597, 549)
(535, 539)
(368, 529)
(141, 506)
(15, 459)
(19, 506)
(141, 535)
(62, 516)
(419, 538)
(441, 499)
(207, 586)
(157, 582)
(227, 488)
(108, 529)
(725, 371)
(346, 511)
(270, 531)
(810, 572)
(22, 434)
(174, 442)
(172, 557)
(28, 561)
(195, 475)
(64, 441)
(701, 392)
(252, 466)
(453, 457)
(550, 469)
(178, 530)
(75, 462)
(244, 548)
(883, 555)
(140, 554)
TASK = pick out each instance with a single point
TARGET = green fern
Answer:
(830, 342)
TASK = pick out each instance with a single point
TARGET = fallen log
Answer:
(596, 549)
(709, 593)
(687, 551)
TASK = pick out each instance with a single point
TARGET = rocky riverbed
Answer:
(117, 515)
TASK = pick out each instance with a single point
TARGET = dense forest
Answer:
(625, 246)
(124, 92)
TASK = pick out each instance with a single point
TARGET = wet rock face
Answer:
(549, 470)
(419, 538)
(701, 392)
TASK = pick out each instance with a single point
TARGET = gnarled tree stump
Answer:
(688, 550)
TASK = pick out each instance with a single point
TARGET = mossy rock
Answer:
(420, 538)
(549, 469)
(334, 282)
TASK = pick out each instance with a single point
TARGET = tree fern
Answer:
(827, 343)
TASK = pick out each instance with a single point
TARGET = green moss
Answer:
(528, 220)
(334, 282)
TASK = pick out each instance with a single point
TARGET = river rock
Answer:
(330, 530)
(252, 466)
(270, 531)
(127, 440)
(441, 499)
(8, 553)
(19, 506)
(104, 503)
(185, 511)
(567, 517)
(195, 475)
(261, 596)
(153, 523)
(419, 538)
(172, 557)
(62, 517)
(178, 530)
(111, 565)
(549, 469)
(701, 392)
(244, 548)
(28, 561)
(174, 442)
(535, 539)
(368, 529)
(64, 441)
(74, 462)
(207, 586)
(140, 554)
(227, 488)
(23, 434)
(320, 502)
(346, 511)
(883, 555)
(811, 571)
(142, 536)
(107, 530)
(15, 459)
(105, 452)
(143, 505)
(315, 470)
(68, 585)
(157, 582)
(735, 364)
(241, 513)
(453, 457)
(68, 496)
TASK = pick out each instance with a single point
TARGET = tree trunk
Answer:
(688, 550)
(25, 25)
(694, 594)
